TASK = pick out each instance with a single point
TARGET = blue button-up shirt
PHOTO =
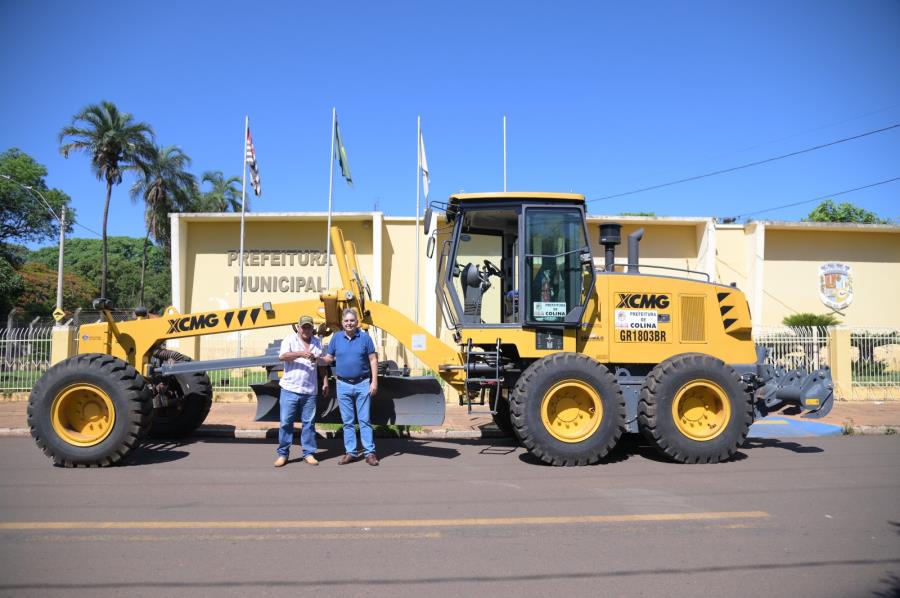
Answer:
(351, 355)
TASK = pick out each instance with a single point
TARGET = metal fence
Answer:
(875, 357)
(875, 363)
(794, 347)
(224, 346)
(24, 357)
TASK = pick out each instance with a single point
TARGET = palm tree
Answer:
(165, 186)
(225, 193)
(114, 141)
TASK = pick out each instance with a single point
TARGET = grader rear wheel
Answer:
(181, 402)
(567, 409)
(89, 410)
(694, 409)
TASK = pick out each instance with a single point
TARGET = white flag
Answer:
(423, 164)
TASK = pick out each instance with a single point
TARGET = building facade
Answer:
(783, 267)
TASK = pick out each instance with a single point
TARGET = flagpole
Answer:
(243, 201)
(504, 152)
(418, 173)
(330, 193)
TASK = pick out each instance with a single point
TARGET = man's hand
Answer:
(373, 388)
(325, 387)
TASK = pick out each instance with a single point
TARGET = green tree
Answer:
(810, 320)
(82, 257)
(224, 194)
(114, 142)
(166, 186)
(10, 287)
(23, 216)
(828, 211)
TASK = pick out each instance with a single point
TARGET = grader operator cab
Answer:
(566, 354)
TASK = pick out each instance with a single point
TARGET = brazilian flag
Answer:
(340, 153)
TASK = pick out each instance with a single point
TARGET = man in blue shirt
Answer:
(356, 369)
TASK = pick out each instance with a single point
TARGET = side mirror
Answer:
(429, 248)
(427, 222)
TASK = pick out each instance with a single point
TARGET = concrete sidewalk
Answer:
(235, 420)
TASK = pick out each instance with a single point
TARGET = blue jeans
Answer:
(291, 403)
(350, 396)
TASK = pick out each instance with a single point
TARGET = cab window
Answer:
(557, 272)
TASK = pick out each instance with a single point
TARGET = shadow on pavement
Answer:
(788, 445)
(630, 445)
(151, 453)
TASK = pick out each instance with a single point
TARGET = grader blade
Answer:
(401, 401)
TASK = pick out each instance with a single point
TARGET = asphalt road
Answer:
(810, 517)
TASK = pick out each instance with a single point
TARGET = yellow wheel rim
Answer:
(83, 415)
(571, 411)
(701, 410)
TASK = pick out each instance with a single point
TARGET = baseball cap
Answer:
(304, 320)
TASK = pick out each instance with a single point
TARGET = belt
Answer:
(356, 380)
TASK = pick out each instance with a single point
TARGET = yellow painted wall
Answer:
(674, 245)
(792, 256)
(792, 260)
(732, 261)
(210, 280)
(398, 279)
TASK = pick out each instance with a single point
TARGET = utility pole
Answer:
(62, 250)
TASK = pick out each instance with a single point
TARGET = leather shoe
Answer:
(280, 461)
(371, 459)
(347, 458)
(311, 460)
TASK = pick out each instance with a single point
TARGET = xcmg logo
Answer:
(189, 323)
(642, 301)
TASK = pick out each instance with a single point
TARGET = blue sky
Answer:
(601, 97)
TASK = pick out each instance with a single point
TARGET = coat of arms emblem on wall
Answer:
(836, 285)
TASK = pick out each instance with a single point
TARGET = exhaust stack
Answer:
(634, 241)
(610, 236)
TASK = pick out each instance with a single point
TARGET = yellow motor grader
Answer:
(566, 354)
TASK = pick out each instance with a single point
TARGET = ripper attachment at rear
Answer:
(809, 393)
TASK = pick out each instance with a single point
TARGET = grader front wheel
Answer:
(567, 409)
(89, 410)
(694, 409)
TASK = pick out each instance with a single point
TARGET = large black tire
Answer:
(186, 402)
(567, 409)
(501, 416)
(694, 409)
(89, 410)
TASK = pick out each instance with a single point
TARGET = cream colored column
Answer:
(178, 265)
(62, 343)
(711, 249)
(377, 255)
(840, 358)
(757, 271)
(429, 293)
(377, 275)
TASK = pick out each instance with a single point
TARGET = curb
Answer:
(217, 431)
(223, 431)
